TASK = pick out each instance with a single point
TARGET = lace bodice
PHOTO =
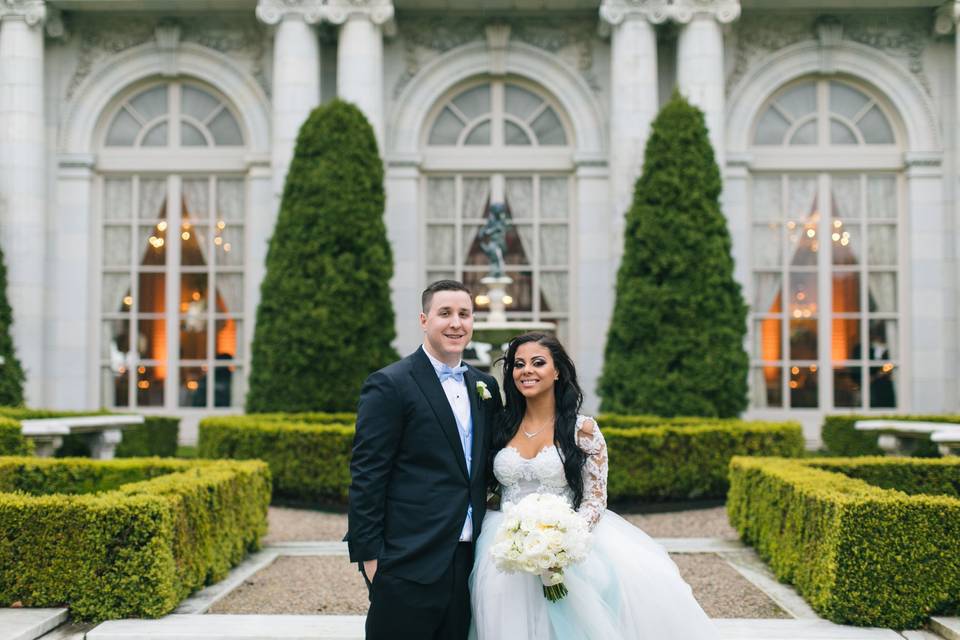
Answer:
(543, 473)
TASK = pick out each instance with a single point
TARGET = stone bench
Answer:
(103, 433)
(902, 437)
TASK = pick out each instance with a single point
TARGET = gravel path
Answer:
(289, 525)
(331, 585)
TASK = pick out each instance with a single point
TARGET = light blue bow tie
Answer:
(456, 372)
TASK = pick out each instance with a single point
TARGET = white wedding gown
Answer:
(628, 587)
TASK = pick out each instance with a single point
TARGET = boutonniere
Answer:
(482, 390)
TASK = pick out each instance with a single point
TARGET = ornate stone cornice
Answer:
(335, 11)
(378, 11)
(659, 11)
(34, 12)
(947, 17)
(274, 11)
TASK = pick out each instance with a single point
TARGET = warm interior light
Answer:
(508, 300)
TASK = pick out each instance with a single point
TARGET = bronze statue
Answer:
(493, 237)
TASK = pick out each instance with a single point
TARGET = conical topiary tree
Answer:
(325, 319)
(11, 373)
(675, 345)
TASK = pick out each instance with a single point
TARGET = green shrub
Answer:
(675, 344)
(124, 538)
(11, 372)
(840, 438)
(311, 462)
(629, 422)
(858, 553)
(12, 442)
(308, 462)
(157, 436)
(325, 318)
(679, 462)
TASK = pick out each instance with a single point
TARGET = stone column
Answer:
(700, 69)
(360, 55)
(633, 102)
(23, 180)
(296, 75)
(948, 16)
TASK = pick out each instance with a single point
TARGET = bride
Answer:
(627, 588)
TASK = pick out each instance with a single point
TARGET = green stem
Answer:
(555, 592)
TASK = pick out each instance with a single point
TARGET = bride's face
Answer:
(534, 371)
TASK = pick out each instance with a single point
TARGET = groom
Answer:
(418, 477)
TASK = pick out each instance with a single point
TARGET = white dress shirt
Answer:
(456, 393)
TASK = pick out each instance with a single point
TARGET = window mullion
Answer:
(173, 139)
(172, 312)
(784, 315)
(213, 214)
(825, 292)
(496, 119)
(823, 114)
(133, 355)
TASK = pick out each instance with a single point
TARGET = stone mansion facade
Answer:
(144, 144)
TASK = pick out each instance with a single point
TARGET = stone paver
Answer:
(28, 624)
(947, 627)
(235, 627)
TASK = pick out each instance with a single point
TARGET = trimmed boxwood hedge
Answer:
(157, 436)
(310, 462)
(12, 442)
(867, 541)
(124, 538)
(840, 438)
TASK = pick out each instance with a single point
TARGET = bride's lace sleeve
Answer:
(592, 443)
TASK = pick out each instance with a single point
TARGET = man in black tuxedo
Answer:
(418, 477)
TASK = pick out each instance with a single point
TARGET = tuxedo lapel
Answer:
(477, 416)
(426, 378)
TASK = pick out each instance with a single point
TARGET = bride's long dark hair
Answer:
(568, 398)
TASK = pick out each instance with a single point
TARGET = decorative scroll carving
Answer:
(659, 11)
(273, 11)
(314, 11)
(948, 15)
(379, 11)
(240, 37)
(33, 12)
(902, 35)
(425, 37)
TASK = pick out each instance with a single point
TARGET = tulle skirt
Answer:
(627, 588)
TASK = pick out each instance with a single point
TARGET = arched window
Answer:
(826, 206)
(172, 249)
(501, 141)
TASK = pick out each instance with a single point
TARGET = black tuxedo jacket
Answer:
(409, 487)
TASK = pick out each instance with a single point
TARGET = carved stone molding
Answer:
(658, 11)
(54, 26)
(947, 17)
(425, 37)
(272, 12)
(33, 12)
(903, 36)
(498, 36)
(101, 37)
(378, 11)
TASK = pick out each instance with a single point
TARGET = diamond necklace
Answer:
(538, 431)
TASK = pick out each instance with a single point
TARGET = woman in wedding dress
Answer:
(628, 587)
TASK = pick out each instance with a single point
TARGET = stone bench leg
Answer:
(103, 444)
(45, 447)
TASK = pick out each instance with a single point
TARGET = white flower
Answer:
(482, 390)
(541, 535)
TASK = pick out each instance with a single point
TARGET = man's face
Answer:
(448, 324)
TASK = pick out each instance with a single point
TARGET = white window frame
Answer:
(824, 160)
(172, 163)
(499, 162)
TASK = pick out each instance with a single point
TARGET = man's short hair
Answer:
(442, 285)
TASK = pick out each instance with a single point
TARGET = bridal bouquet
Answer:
(541, 535)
